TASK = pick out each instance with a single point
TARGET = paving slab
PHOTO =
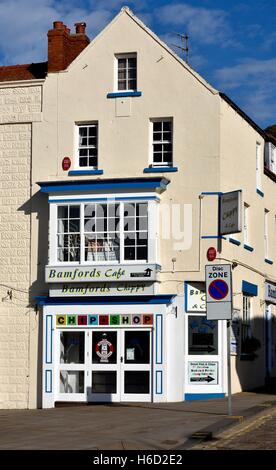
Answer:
(129, 426)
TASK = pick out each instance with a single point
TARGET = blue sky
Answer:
(232, 43)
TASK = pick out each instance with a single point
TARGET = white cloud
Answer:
(255, 80)
(24, 24)
(208, 26)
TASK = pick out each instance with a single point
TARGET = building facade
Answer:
(125, 160)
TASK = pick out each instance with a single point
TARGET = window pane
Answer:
(129, 253)
(203, 336)
(132, 62)
(137, 382)
(130, 238)
(104, 382)
(74, 212)
(62, 226)
(72, 347)
(74, 226)
(157, 126)
(71, 381)
(104, 347)
(122, 85)
(121, 63)
(137, 347)
(142, 252)
(83, 161)
(167, 125)
(62, 212)
(157, 136)
(132, 85)
(157, 157)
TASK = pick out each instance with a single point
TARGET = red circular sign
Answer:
(66, 163)
(211, 253)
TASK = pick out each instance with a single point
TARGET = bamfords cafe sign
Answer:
(144, 272)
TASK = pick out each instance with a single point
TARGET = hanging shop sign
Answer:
(101, 288)
(218, 291)
(195, 297)
(203, 373)
(230, 210)
(141, 273)
(270, 292)
(104, 320)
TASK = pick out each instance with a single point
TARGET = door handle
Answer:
(122, 359)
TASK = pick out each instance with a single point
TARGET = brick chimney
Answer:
(64, 47)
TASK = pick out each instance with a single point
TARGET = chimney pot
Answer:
(80, 28)
(58, 25)
(67, 30)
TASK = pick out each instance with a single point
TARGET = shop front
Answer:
(270, 331)
(104, 351)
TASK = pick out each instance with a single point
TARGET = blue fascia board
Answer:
(214, 236)
(211, 193)
(248, 247)
(249, 289)
(161, 169)
(268, 261)
(258, 191)
(202, 396)
(105, 300)
(84, 172)
(124, 94)
(235, 242)
(156, 182)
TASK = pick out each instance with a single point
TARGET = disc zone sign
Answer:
(218, 291)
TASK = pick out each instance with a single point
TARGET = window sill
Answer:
(268, 261)
(235, 242)
(248, 247)
(258, 191)
(161, 169)
(123, 94)
(84, 172)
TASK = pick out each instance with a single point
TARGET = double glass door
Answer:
(105, 365)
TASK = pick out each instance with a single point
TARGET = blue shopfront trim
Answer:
(161, 169)
(211, 193)
(202, 396)
(103, 199)
(124, 94)
(112, 300)
(213, 236)
(249, 289)
(116, 184)
(268, 261)
(248, 247)
(84, 172)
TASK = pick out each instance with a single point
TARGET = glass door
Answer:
(104, 369)
(136, 360)
(71, 377)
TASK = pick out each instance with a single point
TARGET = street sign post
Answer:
(218, 278)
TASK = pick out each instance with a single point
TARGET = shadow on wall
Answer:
(37, 208)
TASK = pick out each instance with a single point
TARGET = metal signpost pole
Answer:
(229, 367)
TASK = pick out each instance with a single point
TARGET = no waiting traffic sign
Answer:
(218, 291)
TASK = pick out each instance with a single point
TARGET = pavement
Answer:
(132, 426)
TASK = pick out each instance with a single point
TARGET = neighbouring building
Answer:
(114, 157)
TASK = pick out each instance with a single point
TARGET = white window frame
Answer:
(266, 234)
(78, 125)
(131, 55)
(246, 239)
(259, 167)
(152, 230)
(152, 142)
(270, 156)
(246, 317)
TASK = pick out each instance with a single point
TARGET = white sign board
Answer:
(218, 279)
(141, 272)
(203, 373)
(195, 297)
(270, 292)
(230, 219)
(101, 289)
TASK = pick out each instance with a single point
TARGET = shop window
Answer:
(102, 232)
(203, 336)
(71, 381)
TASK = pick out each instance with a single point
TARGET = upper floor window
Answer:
(270, 157)
(266, 239)
(259, 166)
(126, 72)
(102, 232)
(162, 142)
(87, 156)
(246, 224)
